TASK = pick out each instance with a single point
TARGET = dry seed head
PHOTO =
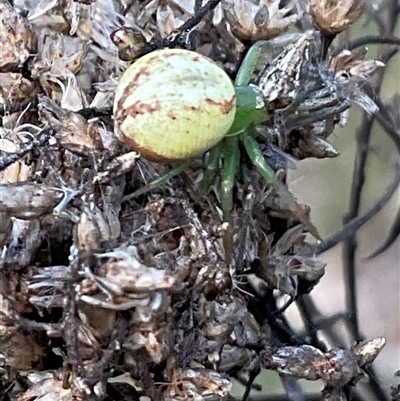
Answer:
(173, 104)
(130, 43)
(264, 20)
(334, 16)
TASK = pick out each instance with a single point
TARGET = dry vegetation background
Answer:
(105, 297)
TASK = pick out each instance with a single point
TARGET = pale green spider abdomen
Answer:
(173, 104)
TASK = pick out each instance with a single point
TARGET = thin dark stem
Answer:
(307, 311)
(352, 226)
(40, 140)
(350, 246)
(187, 26)
(394, 233)
(385, 120)
(359, 173)
(372, 39)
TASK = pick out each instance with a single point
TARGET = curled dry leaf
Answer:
(157, 352)
(117, 167)
(17, 39)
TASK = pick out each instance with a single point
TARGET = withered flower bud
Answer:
(334, 16)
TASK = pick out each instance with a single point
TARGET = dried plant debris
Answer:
(107, 294)
(17, 38)
(336, 367)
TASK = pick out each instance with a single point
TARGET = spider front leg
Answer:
(286, 199)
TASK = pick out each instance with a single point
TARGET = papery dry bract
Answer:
(334, 16)
(336, 367)
(28, 200)
(353, 72)
(22, 350)
(52, 389)
(104, 97)
(280, 81)
(262, 20)
(5, 228)
(14, 89)
(17, 39)
(199, 384)
(284, 267)
(73, 129)
(88, 233)
(169, 15)
(59, 53)
(9, 144)
(133, 276)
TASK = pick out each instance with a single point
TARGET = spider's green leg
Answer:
(231, 163)
(257, 158)
(286, 198)
(158, 181)
(249, 62)
(250, 105)
(211, 168)
(250, 108)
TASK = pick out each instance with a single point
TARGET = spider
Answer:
(291, 88)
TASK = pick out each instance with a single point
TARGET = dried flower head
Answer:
(168, 14)
(334, 16)
(262, 20)
(354, 75)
